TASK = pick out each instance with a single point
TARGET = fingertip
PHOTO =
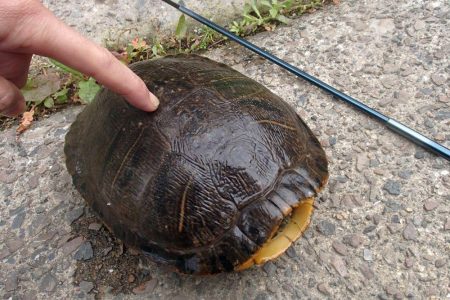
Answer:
(139, 96)
(148, 103)
(154, 102)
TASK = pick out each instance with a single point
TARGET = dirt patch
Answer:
(113, 266)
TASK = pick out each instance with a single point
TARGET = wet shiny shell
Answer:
(202, 183)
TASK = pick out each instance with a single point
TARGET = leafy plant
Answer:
(61, 96)
(87, 89)
(158, 49)
(260, 14)
(39, 88)
(267, 13)
(137, 50)
(181, 30)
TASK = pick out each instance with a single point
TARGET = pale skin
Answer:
(27, 28)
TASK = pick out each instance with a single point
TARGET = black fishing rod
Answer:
(392, 124)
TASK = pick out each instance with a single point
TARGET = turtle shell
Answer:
(206, 180)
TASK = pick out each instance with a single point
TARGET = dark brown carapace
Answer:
(205, 182)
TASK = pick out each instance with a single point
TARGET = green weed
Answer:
(82, 87)
(265, 14)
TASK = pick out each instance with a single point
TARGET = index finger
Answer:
(55, 39)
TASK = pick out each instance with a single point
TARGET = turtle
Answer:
(221, 177)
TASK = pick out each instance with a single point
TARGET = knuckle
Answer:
(10, 98)
(7, 97)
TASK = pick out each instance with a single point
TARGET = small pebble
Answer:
(353, 240)
(439, 263)
(419, 154)
(367, 255)
(395, 219)
(14, 244)
(86, 286)
(323, 288)
(394, 206)
(48, 283)
(85, 252)
(410, 232)
(107, 250)
(18, 220)
(392, 187)
(438, 79)
(366, 271)
(326, 228)
(332, 141)
(146, 287)
(291, 252)
(11, 282)
(339, 265)
(311, 283)
(369, 229)
(95, 226)
(74, 214)
(409, 262)
(376, 219)
(270, 268)
(390, 290)
(405, 174)
(362, 162)
(340, 248)
(430, 204)
(417, 220)
(72, 245)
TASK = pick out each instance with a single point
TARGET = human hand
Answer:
(27, 28)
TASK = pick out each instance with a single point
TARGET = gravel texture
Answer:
(117, 20)
(381, 228)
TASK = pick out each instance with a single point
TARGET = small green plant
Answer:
(267, 13)
(137, 50)
(158, 49)
(85, 87)
(204, 38)
(260, 14)
(181, 30)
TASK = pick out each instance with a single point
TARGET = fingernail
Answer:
(154, 101)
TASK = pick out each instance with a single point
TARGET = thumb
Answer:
(12, 102)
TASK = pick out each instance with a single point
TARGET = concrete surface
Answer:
(117, 20)
(382, 226)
